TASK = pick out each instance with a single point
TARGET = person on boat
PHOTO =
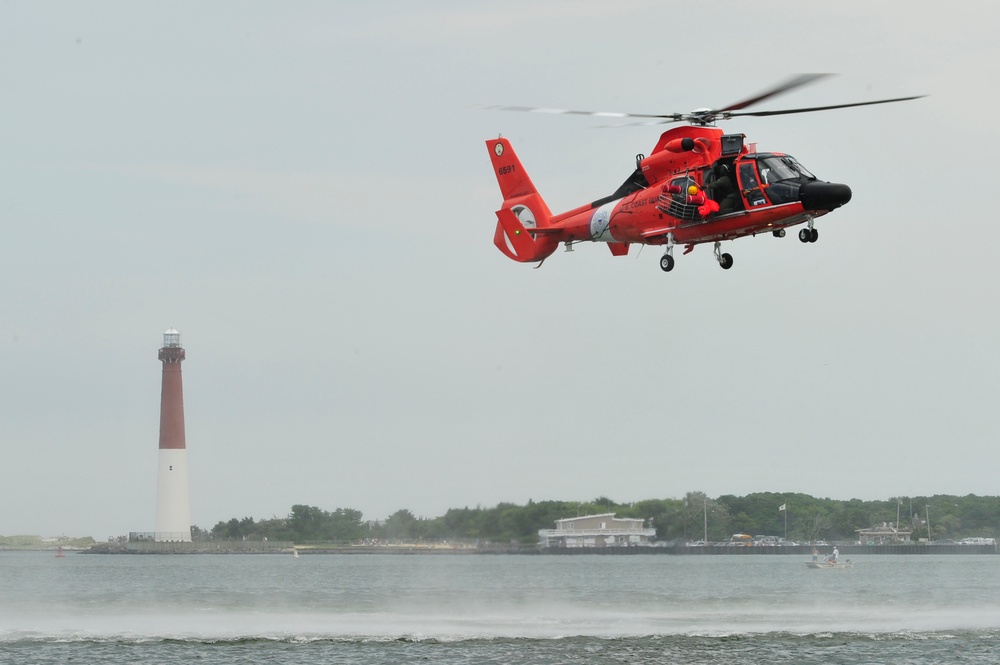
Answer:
(815, 554)
(836, 553)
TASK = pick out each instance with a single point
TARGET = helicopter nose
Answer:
(816, 195)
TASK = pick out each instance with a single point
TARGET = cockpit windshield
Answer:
(774, 168)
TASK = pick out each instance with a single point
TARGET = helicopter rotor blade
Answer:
(810, 109)
(790, 84)
(662, 117)
(708, 116)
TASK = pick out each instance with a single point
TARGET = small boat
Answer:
(830, 564)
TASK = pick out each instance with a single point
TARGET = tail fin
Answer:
(524, 212)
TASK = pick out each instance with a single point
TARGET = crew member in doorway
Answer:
(723, 189)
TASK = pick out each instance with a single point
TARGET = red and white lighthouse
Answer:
(173, 502)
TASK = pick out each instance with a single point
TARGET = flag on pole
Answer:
(782, 506)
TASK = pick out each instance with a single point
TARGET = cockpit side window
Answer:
(798, 167)
(782, 177)
(776, 169)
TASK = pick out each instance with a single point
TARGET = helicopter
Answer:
(698, 185)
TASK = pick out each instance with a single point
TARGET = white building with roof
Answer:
(604, 530)
(886, 534)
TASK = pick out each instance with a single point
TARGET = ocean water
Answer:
(496, 609)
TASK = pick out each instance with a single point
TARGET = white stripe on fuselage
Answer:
(600, 223)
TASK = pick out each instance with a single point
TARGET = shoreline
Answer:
(287, 549)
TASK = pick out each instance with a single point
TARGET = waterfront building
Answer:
(604, 530)
(884, 534)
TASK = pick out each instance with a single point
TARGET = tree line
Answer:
(694, 517)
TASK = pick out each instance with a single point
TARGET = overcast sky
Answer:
(303, 191)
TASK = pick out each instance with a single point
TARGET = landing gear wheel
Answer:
(726, 261)
(805, 235)
(780, 233)
(666, 263)
(813, 235)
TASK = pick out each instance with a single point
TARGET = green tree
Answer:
(400, 525)
(309, 523)
(306, 523)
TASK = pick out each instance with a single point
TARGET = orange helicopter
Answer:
(698, 185)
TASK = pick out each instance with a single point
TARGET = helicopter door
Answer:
(750, 185)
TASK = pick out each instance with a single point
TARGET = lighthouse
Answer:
(173, 503)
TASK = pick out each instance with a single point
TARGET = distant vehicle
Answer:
(765, 541)
(978, 541)
(741, 540)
